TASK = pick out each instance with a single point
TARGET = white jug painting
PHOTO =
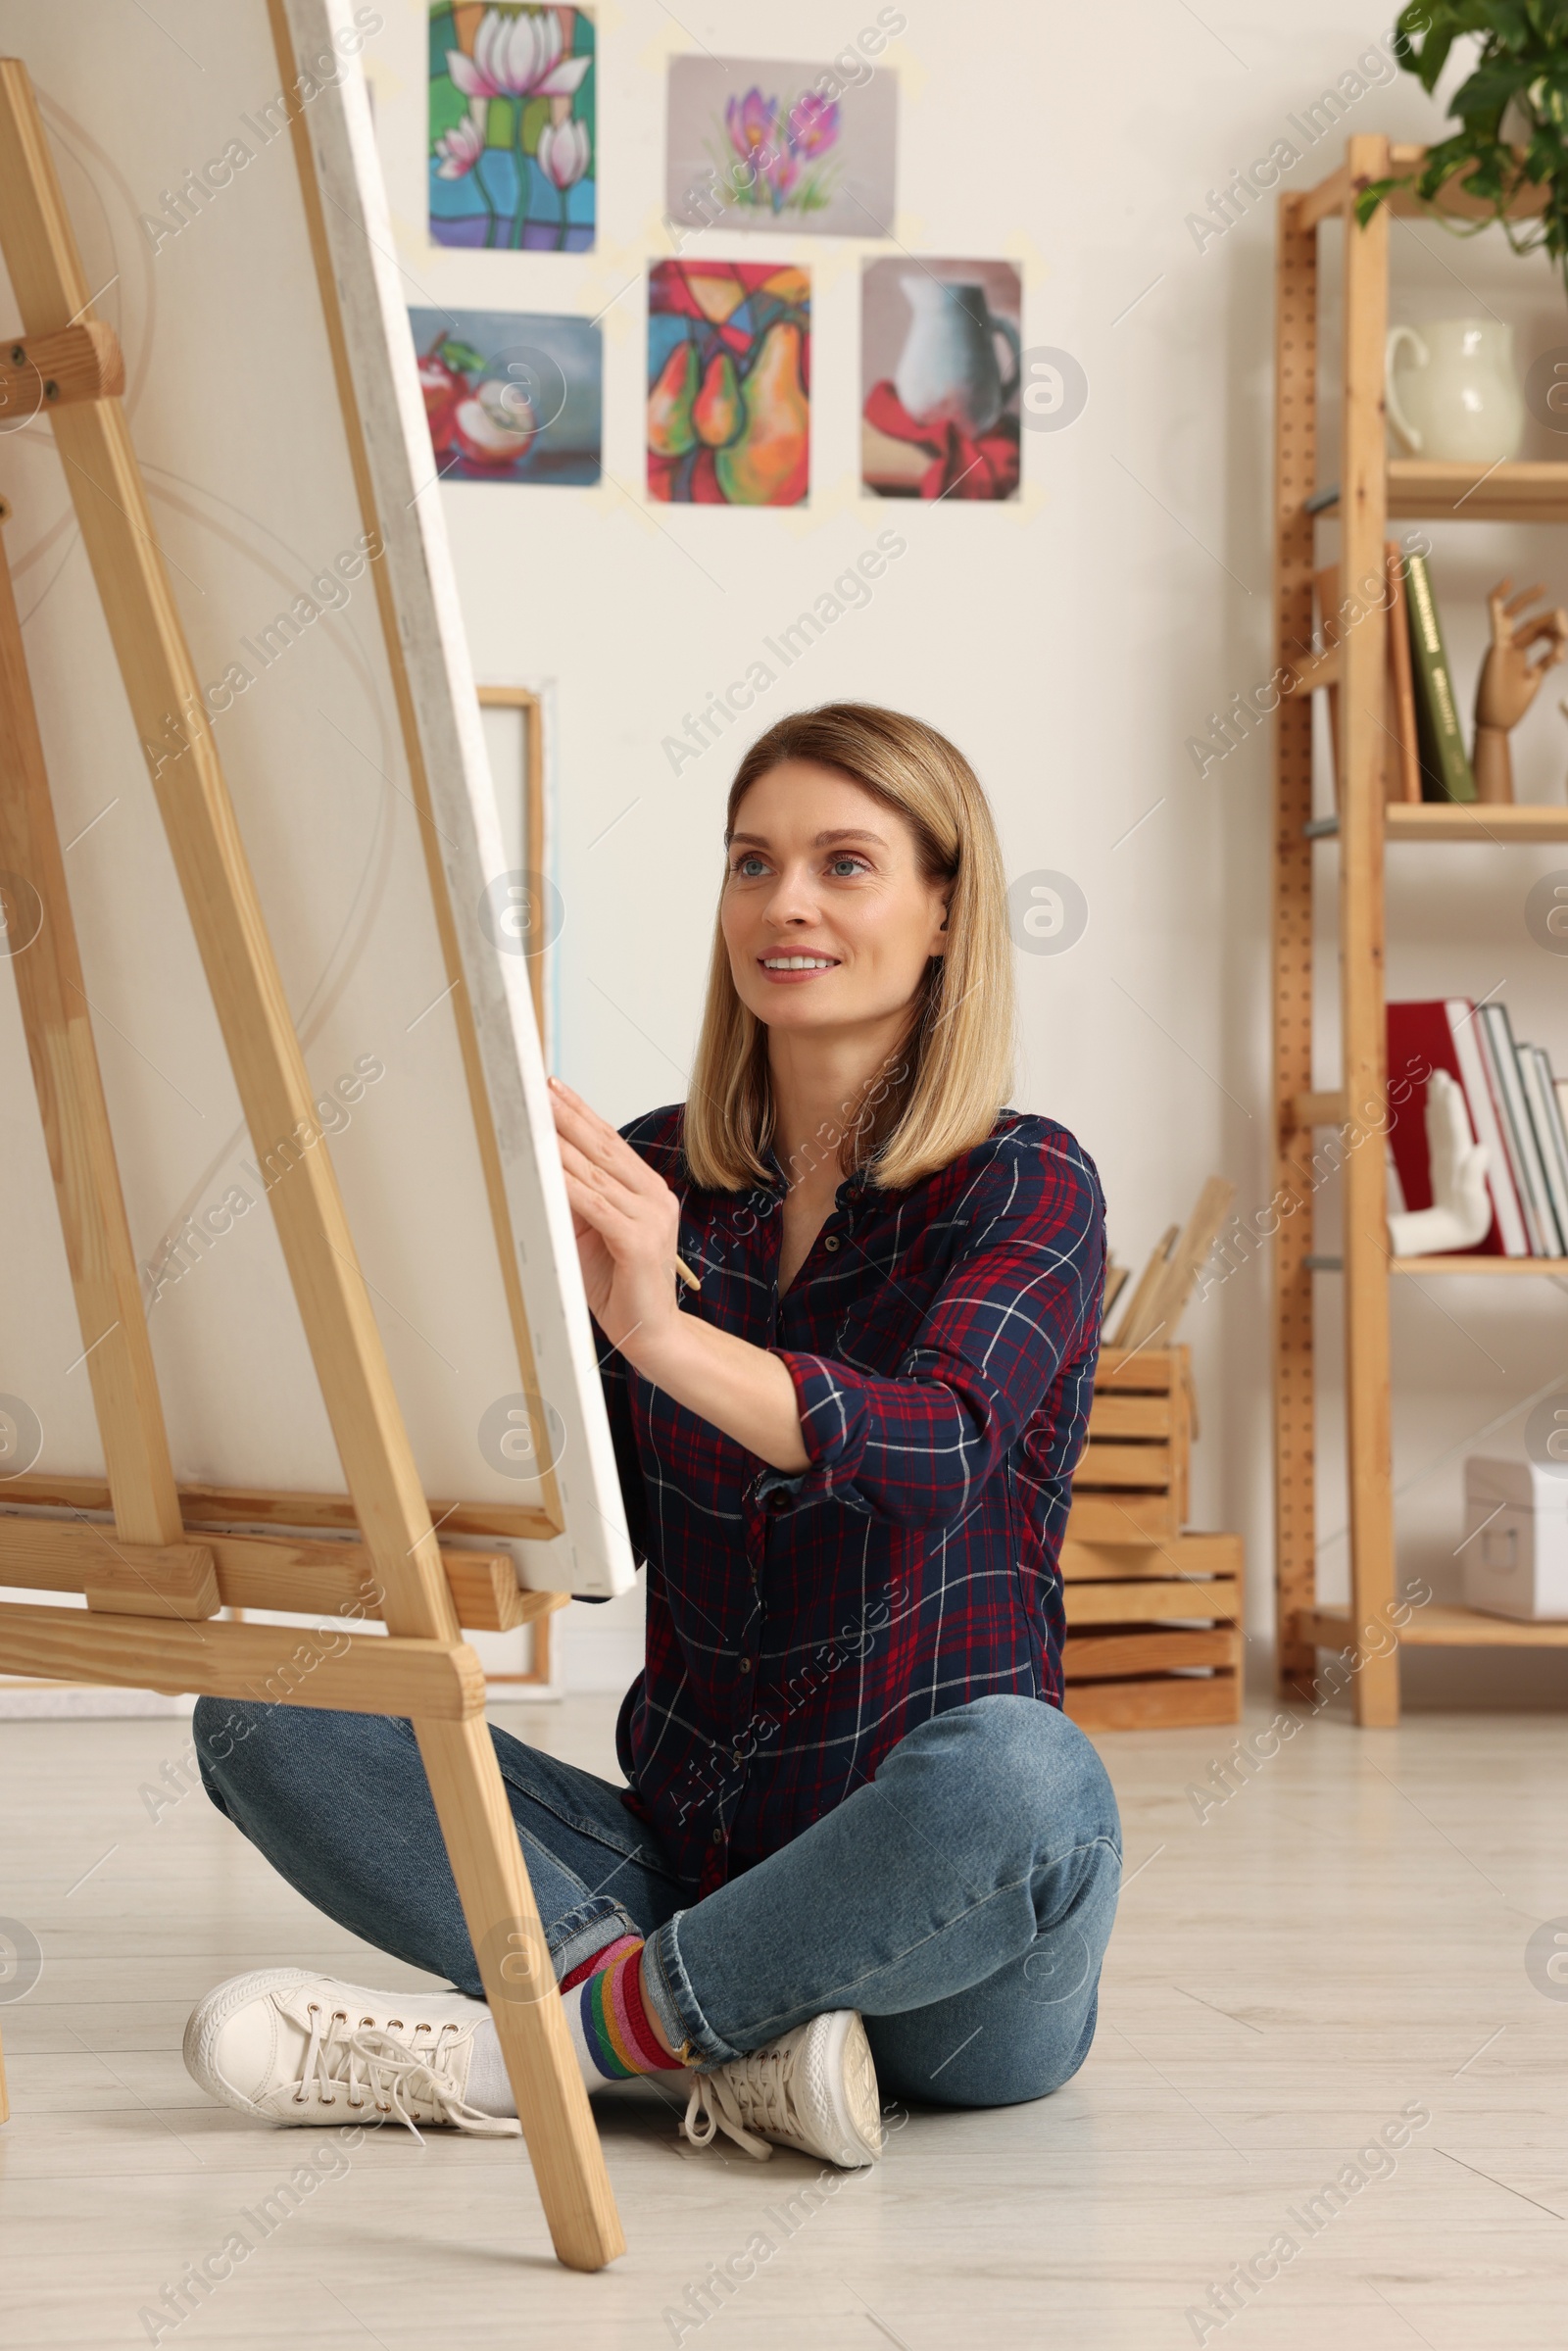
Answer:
(1452, 393)
(948, 368)
(940, 365)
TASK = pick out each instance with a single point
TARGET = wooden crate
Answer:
(1154, 1632)
(1133, 1482)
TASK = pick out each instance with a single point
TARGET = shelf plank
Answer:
(1122, 1416)
(1118, 1656)
(1453, 204)
(1320, 1110)
(1138, 1370)
(1552, 1266)
(1166, 1701)
(1438, 490)
(1146, 1466)
(1148, 1602)
(1437, 1626)
(1184, 1555)
(1126, 1517)
(1474, 821)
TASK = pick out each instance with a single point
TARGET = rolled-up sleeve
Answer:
(1020, 1302)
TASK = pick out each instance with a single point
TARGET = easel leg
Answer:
(520, 1983)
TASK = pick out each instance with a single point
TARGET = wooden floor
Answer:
(1343, 1937)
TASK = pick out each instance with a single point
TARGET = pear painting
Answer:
(729, 411)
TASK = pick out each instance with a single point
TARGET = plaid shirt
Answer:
(942, 1342)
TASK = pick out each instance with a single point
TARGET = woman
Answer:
(861, 1842)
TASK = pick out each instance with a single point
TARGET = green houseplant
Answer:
(1512, 112)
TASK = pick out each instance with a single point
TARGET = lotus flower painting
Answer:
(801, 149)
(513, 141)
(728, 383)
(511, 397)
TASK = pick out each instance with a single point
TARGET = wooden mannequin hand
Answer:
(1510, 680)
(628, 1224)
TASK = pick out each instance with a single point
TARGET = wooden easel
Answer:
(155, 1581)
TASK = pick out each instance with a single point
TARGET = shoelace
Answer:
(391, 2069)
(753, 2090)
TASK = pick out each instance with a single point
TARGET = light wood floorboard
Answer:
(1345, 1935)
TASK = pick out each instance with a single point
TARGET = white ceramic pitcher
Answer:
(948, 366)
(1458, 397)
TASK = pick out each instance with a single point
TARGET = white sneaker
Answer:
(815, 2090)
(291, 2047)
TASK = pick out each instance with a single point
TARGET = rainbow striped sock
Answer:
(608, 2019)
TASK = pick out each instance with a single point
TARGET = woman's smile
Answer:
(789, 967)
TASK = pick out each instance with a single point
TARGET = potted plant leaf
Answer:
(1512, 111)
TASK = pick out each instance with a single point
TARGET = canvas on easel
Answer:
(153, 1579)
(273, 390)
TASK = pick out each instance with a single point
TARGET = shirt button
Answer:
(831, 1243)
(718, 1836)
(779, 1499)
(745, 1665)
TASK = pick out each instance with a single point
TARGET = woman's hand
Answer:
(628, 1223)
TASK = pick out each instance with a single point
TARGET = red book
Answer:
(1443, 1035)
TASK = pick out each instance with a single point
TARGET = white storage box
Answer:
(1516, 1549)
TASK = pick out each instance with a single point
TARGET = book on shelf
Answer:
(1402, 758)
(1519, 1133)
(1326, 588)
(1541, 1097)
(1444, 1034)
(1398, 745)
(1512, 1155)
(1445, 773)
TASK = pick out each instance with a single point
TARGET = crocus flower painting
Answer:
(728, 383)
(939, 378)
(511, 397)
(513, 141)
(782, 147)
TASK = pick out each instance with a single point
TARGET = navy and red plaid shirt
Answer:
(942, 1342)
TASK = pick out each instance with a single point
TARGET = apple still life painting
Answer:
(511, 396)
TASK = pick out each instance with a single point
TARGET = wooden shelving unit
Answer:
(1372, 489)
(1432, 820)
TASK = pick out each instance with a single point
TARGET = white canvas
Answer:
(235, 414)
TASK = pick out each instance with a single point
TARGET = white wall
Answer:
(1070, 643)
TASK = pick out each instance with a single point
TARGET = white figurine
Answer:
(1460, 1214)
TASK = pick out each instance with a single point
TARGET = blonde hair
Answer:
(955, 1066)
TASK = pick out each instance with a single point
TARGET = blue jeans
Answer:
(962, 1900)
